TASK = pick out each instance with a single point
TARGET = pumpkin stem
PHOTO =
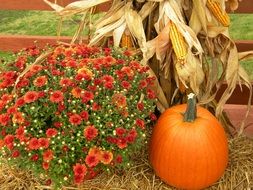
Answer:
(191, 110)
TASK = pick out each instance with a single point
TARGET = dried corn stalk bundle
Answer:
(185, 42)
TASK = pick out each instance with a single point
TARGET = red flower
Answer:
(20, 102)
(45, 165)
(71, 63)
(41, 94)
(140, 123)
(36, 68)
(44, 143)
(35, 157)
(6, 97)
(58, 124)
(51, 132)
(140, 106)
(119, 159)
(78, 179)
(9, 74)
(8, 139)
(109, 85)
(4, 119)
(120, 131)
(109, 60)
(20, 131)
(96, 106)
(56, 72)
(125, 84)
(2, 104)
(92, 160)
(122, 143)
(107, 51)
(34, 144)
(90, 132)
(79, 169)
(107, 78)
(153, 117)
(135, 65)
(127, 53)
(130, 139)
(87, 96)
(40, 81)
(15, 154)
(48, 155)
(143, 84)
(151, 94)
(84, 115)
(120, 61)
(75, 119)
(12, 110)
(31, 96)
(97, 81)
(61, 107)
(106, 157)
(23, 82)
(65, 82)
(80, 76)
(56, 96)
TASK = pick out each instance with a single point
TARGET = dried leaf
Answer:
(54, 6)
(146, 9)
(105, 31)
(245, 55)
(114, 14)
(162, 43)
(79, 6)
(198, 18)
(117, 34)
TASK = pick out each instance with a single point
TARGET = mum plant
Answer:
(69, 112)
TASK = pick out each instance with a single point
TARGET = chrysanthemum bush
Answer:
(76, 112)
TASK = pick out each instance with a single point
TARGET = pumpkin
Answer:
(188, 147)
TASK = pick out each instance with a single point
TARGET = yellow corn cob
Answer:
(126, 41)
(178, 43)
(221, 16)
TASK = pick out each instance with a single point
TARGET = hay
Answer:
(239, 174)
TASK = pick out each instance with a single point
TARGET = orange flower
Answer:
(119, 100)
(40, 81)
(85, 71)
(128, 71)
(1, 143)
(76, 92)
(95, 150)
(18, 118)
(106, 157)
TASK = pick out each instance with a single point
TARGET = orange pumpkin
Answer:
(188, 150)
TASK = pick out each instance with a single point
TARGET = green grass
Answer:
(241, 26)
(46, 23)
(36, 23)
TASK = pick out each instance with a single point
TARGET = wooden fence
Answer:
(16, 42)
